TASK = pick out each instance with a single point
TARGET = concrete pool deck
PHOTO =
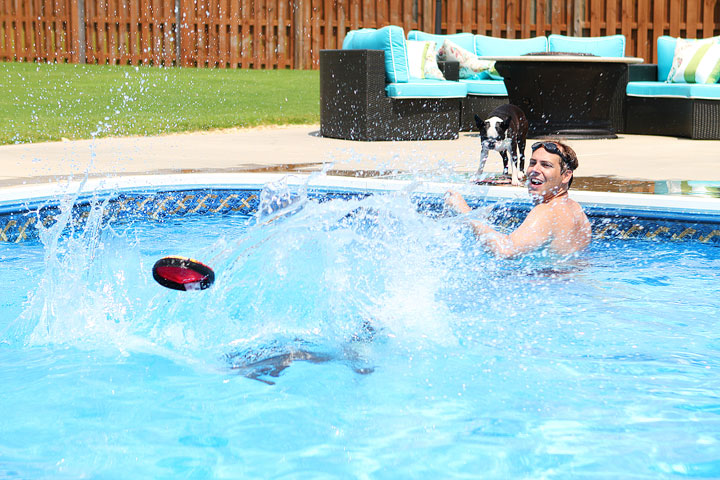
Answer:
(301, 148)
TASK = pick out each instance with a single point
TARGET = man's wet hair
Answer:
(570, 160)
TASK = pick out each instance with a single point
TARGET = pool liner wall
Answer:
(19, 222)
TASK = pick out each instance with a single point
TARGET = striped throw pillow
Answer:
(696, 61)
(421, 59)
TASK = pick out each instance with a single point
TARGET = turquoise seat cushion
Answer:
(508, 47)
(610, 46)
(426, 88)
(391, 40)
(464, 40)
(666, 52)
(662, 89)
(485, 87)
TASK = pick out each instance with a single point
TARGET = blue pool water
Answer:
(424, 356)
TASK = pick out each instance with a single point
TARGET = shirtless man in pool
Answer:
(555, 222)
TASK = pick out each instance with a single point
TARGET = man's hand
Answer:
(456, 201)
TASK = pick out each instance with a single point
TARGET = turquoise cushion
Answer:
(662, 89)
(610, 46)
(508, 47)
(426, 87)
(464, 40)
(666, 52)
(391, 40)
(485, 87)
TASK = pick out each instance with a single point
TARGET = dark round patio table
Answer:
(567, 95)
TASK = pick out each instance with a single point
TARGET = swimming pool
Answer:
(426, 358)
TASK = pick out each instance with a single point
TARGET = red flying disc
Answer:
(179, 273)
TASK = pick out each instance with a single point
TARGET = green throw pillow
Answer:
(696, 61)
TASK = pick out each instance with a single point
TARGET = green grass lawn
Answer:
(44, 102)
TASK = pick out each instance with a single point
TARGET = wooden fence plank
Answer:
(675, 16)
(540, 25)
(17, 29)
(245, 36)
(595, 18)
(19, 32)
(256, 35)
(481, 17)
(658, 26)
(220, 27)
(340, 19)
(45, 38)
(495, 19)
(627, 18)
(209, 26)
(467, 15)
(328, 22)
(134, 52)
(123, 21)
(231, 54)
(556, 18)
(355, 16)
(452, 25)
(307, 51)
(510, 18)
(524, 20)
(168, 19)
(145, 43)
(283, 38)
(102, 32)
(708, 14)
(611, 17)
(291, 33)
(185, 34)
(365, 13)
(642, 48)
(394, 12)
(315, 36)
(22, 31)
(111, 24)
(6, 50)
(53, 45)
(27, 31)
(691, 19)
(273, 27)
(37, 45)
(89, 33)
(223, 32)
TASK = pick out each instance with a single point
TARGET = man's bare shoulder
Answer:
(566, 222)
(564, 206)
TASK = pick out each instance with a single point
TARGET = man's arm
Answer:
(533, 233)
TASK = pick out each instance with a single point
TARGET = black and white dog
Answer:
(504, 131)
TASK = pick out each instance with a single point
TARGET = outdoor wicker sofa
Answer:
(656, 107)
(355, 106)
(366, 92)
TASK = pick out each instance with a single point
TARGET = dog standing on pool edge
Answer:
(504, 131)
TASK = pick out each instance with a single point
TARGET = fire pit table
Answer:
(568, 95)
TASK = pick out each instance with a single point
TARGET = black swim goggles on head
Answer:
(552, 147)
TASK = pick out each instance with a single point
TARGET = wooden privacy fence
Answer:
(290, 33)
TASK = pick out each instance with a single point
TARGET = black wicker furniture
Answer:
(354, 104)
(569, 95)
(675, 116)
